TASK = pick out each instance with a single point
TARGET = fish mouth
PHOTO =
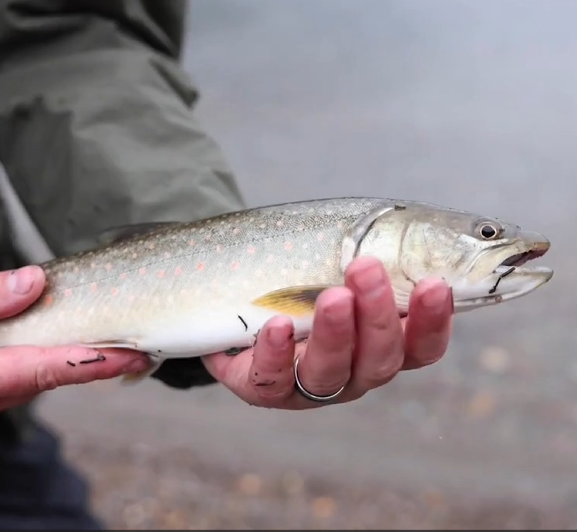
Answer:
(511, 279)
(519, 259)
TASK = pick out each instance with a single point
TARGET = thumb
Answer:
(27, 370)
(19, 289)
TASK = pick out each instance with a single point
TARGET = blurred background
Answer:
(467, 104)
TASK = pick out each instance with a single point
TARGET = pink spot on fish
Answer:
(114, 291)
(67, 292)
(251, 250)
(151, 245)
(219, 249)
(320, 237)
(279, 223)
(94, 287)
(235, 265)
(166, 255)
(160, 274)
(236, 231)
(200, 266)
(124, 276)
(142, 271)
(178, 271)
(191, 243)
(288, 246)
(108, 266)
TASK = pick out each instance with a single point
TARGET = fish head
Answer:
(485, 260)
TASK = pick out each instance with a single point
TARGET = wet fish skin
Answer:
(189, 289)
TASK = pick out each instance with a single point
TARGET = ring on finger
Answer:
(311, 396)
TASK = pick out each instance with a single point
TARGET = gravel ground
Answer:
(135, 489)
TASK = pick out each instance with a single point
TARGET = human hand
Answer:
(27, 371)
(358, 341)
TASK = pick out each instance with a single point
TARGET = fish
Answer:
(188, 289)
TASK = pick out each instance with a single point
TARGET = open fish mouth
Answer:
(513, 278)
(520, 259)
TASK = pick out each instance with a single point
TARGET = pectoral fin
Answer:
(297, 301)
(135, 378)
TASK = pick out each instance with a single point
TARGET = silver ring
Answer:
(311, 396)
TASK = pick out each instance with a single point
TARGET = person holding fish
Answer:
(97, 130)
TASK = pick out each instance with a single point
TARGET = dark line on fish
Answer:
(502, 276)
(243, 322)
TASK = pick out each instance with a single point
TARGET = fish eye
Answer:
(488, 230)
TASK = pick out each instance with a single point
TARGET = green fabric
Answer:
(97, 127)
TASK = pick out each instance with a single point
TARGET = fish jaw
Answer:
(514, 277)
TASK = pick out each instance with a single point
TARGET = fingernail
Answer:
(436, 298)
(278, 336)
(370, 281)
(339, 311)
(452, 300)
(21, 281)
(142, 363)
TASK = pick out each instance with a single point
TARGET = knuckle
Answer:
(271, 388)
(44, 378)
(383, 373)
(383, 320)
(327, 385)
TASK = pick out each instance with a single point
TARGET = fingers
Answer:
(357, 340)
(379, 352)
(265, 376)
(262, 376)
(27, 371)
(326, 365)
(271, 371)
(428, 325)
(19, 289)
